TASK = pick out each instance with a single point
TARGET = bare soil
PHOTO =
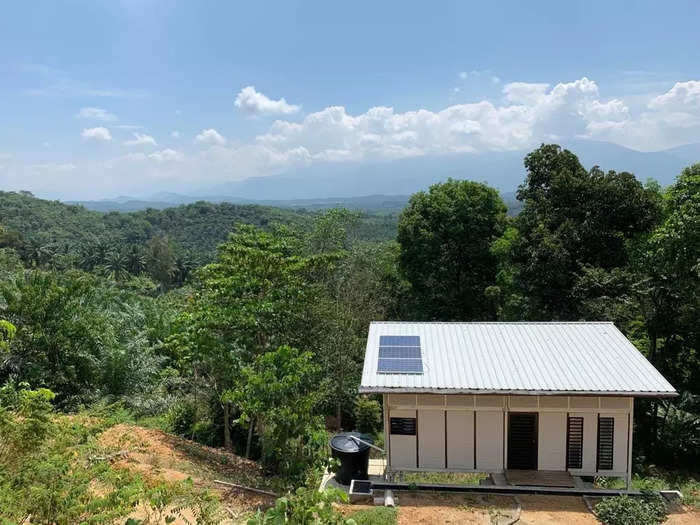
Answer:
(159, 456)
(431, 508)
(426, 508)
(686, 516)
(550, 510)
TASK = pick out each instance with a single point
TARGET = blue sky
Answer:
(101, 98)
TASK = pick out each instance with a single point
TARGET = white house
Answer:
(490, 397)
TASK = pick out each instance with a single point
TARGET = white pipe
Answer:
(368, 444)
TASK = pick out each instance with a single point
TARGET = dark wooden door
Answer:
(522, 441)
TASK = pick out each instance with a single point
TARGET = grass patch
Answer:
(159, 422)
(688, 485)
(375, 516)
(448, 478)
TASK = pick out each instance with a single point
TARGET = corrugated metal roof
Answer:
(525, 358)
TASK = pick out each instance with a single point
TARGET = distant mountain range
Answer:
(387, 185)
(159, 201)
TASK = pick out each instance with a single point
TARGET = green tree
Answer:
(333, 231)
(78, 336)
(368, 415)
(666, 291)
(7, 333)
(572, 219)
(160, 259)
(364, 287)
(256, 297)
(279, 392)
(445, 237)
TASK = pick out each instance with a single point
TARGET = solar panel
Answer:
(403, 352)
(400, 354)
(400, 366)
(399, 340)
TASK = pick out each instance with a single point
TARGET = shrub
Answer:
(368, 415)
(182, 418)
(307, 505)
(625, 510)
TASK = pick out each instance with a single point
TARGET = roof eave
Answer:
(413, 390)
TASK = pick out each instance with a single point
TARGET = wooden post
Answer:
(387, 435)
(630, 424)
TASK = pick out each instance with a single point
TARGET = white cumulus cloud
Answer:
(532, 112)
(96, 114)
(98, 133)
(175, 134)
(141, 139)
(683, 96)
(166, 155)
(254, 103)
(518, 117)
(210, 137)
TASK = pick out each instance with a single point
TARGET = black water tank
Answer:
(353, 456)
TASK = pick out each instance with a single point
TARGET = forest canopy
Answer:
(244, 326)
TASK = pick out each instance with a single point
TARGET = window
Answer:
(606, 435)
(403, 426)
(574, 443)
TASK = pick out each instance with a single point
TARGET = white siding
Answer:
(551, 449)
(452, 427)
(620, 443)
(460, 439)
(489, 441)
(431, 439)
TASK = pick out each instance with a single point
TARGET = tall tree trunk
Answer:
(227, 426)
(339, 403)
(249, 441)
(653, 346)
(196, 406)
(653, 349)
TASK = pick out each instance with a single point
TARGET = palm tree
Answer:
(115, 266)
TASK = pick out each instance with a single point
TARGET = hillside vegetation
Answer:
(51, 233)
(257, 346)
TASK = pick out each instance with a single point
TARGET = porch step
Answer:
(540, 478)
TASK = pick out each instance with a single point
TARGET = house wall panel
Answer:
(554, 402)
(615, 403)
(403, 449)
(428, 400)
(522, 401)
(489, 441)
(460, 439)
(459, 400)
(489, 401)
(620, 442)
(408, 400)
(551, 439)
(431, 439)
(583, 402)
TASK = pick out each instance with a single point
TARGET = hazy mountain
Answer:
(368, 203)
(502, 170)
(386, 185)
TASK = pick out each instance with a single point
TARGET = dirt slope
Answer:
(160, 456)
